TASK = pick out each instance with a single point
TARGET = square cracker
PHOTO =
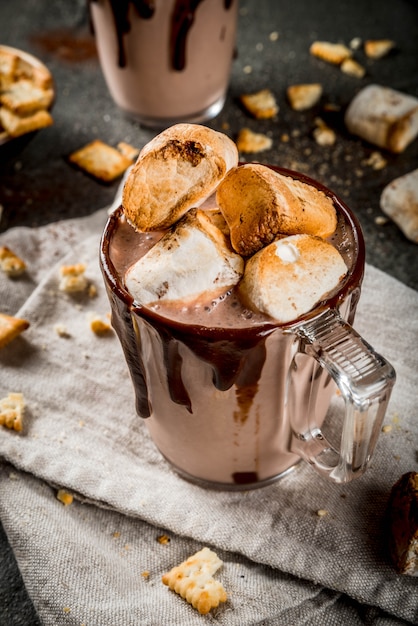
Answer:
(16, 125)
(10, 328)
(24, 97)
(100, 160)
(193, 581)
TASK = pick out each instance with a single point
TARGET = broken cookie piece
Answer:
(287, 278)
(10, 263)
(249, 141)
(261, 105)
(334, 53)
(177, 170)
(73, 278)
(11, 411)
(304, 96)
(403, 524)
(10, 328)
(193, 260)
(259, 205)
(193, 580)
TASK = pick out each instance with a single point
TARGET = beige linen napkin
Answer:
(86, 563)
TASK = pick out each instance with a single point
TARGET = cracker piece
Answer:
(11, 411)
(98, 325)
(249, 141)
(323, 134)
(403, 524)
(353, 68)
(399, 201)
(334, 53)
(100, 160)
(8, 63)
(24, 97)
(16, 125)
(127, 150)
(304, 96)
(64, 497)
(378, 48)
(11, 263)
(10, 328)
(73, 278)
(262, 104)
(193, 581)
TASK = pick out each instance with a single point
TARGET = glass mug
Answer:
(166, 61)
(238, 407)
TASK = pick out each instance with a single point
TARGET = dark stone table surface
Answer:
(39, 186)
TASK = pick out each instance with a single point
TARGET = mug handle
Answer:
(365, 380)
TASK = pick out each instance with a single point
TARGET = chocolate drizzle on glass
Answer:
(182, 19)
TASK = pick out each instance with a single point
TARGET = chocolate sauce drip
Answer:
(245, 478)
(128, 336)
(181, 21)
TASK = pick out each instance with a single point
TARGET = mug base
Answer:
(232, 486)
(160, 123)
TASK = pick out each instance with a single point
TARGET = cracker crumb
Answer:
(322, 512)
(249, 141)
(378, 48)
(376, 161)
(304, 96)
(334, 53)
(353, 68)
(62, 331)
(145, 574)
(323, 134)
(98, 325)
(64, 497)
(387, 428)
(10, 263)
(11, 411)
(163, 539)
(73, 279)
(10, 328)
(261, 104)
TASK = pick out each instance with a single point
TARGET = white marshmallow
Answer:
(192, 261)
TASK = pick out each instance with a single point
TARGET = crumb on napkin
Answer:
(11, 411)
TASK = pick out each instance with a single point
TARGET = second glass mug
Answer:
(237, 408)
(166, 61)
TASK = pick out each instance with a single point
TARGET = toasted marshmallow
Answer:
(192, 261)
(384, 117)
(399, 200)
(290, 276)
(259, 205)
(176, 171)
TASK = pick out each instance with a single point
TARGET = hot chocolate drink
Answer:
(232, 395)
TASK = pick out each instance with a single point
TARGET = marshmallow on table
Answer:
(289, 276)
(384, 117)
(399, 200)
(193, 260)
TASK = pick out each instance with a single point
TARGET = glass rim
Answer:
(352, 280)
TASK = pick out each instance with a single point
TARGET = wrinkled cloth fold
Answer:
(87, 562)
